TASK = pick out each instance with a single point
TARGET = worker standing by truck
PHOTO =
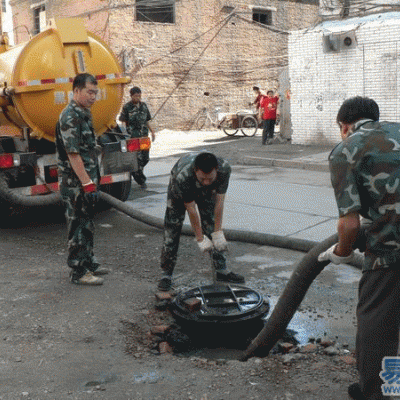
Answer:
(80, 174)
(136, 116)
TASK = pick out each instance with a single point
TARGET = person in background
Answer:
(80, 175)
(136, 117)
(198, 184)
(365, 171)
(267, 112)
(259, 95)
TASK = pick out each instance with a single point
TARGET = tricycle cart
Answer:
(244, 120)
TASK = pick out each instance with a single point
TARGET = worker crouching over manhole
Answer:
(217, 315)
(198, 184)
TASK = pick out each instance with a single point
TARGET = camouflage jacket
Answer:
(365, 173)
(185, 186)
(135, 117)
(74, 134)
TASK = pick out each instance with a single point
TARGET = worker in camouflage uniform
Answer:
(365, 172)
(198, 184)
(136, 116)
(79, 173)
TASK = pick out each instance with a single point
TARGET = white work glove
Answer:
(219, 241)
(205, 245)
(329, 255)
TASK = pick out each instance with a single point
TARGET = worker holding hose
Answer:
(198, 184)
(365, 173)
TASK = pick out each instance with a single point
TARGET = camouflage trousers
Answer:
(173, 221)
(79, 216)
(143, 159)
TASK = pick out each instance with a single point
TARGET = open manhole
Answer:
(220, 304)
(220, 315)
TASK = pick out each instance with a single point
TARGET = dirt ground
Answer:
(61, 341)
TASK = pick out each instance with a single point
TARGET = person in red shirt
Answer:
(267, 112)
(259, 95)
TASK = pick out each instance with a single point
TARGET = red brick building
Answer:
(177, 50)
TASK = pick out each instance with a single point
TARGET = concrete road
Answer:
(61, 341)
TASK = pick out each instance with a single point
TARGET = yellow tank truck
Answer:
(35, 86)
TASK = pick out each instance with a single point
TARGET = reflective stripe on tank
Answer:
(54, 187)
(65, 80)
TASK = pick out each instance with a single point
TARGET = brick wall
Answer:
(174, 70)
(241, 55)
(22, 20)
(321, 81)
(95, 22)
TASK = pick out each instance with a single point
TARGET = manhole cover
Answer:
(220, 304)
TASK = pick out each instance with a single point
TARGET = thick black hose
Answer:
(289, 301)
(27, 201)
(263, 239)
(231, 234)
(302, 278)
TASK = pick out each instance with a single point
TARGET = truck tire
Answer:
(6, 214)
(120, 191)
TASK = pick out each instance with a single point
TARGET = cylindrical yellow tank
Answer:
(39, 75)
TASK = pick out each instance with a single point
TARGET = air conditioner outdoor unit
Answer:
(334, 42)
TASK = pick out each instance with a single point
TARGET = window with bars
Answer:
(262, 16)
(3, 6)
(39, 19)
(161, 11)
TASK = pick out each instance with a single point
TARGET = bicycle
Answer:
(229, 123)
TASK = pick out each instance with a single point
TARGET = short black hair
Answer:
(270, 91)
(256, 88)
(81, 80)
(357, 108)
(205, 162)
(135, 90)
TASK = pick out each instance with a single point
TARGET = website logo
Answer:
(390, 374)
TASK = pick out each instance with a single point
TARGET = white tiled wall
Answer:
(320, 81)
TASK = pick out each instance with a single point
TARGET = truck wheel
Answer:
(120, 191)
(6, 212)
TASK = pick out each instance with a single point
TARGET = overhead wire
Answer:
(187, 43)
(195, 62)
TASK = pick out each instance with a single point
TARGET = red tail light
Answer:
(53, 172)
(6, 160)
(133, 145)
(138, 144)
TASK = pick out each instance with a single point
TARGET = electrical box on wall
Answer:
(338, 41)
